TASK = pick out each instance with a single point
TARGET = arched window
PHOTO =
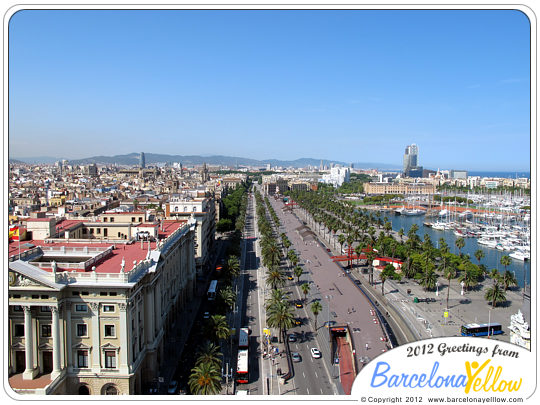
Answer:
(109, 389)
(176, 209)
(185, 208)
(83, 390)
(194, 209)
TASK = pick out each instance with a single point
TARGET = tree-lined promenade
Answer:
(274, 250)
(370, 233)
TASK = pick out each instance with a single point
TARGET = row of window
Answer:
(82, 330)
(111, 219)
(82, 359)
(78, 308)
(185, 209)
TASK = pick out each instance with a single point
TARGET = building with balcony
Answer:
(92, 318)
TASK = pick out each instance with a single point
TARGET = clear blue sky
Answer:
(355, 86)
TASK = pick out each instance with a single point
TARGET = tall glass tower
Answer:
(141, 160)
(410, 159)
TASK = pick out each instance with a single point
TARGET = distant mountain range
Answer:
(132, 159)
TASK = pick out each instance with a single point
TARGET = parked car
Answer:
(293, 337)
(299, 305)
(357, 282)
(296, 357)
(173, 385)
(297, 321)
(315, 353)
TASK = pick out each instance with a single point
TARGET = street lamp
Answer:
(462, 286)
(437, 285)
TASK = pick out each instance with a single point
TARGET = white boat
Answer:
(443, 213)
(520, 255)
(413, 212)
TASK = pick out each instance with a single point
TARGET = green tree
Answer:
(280, 316)
(275, 278)
(233, 266)
(506, 261)
(209, 353)
(460, 244)
(205, 379)
(298, 273)
(495, 294)
(316, 308)
(389, 272)
(428, 279)
(305, 290)
(508, 279)
(220, 327)
(449, 273)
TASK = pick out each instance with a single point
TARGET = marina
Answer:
(492, 259)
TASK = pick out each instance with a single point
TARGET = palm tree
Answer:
(341, 240)
(276, 296)
(479, 254)
(305, 290)
(316, 308)
(495, 276)
(429, 279)
(275, 278)
(443, 246)
(220, 326)
(228, 296)
(388, 272)
(388, 227)
(449, 273)
(508, 279)
(233, 266)
(209, 353)
(205, 379)
(460, 244)
(298, 273)
(495, 294)
(280, 316)
(371, 256)
(358, 251)
(505, 261)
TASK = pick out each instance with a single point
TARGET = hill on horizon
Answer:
(187, 160)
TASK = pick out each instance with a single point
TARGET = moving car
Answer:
(315, 353)
(297, 321)
(293, 337)
(299, 305)
(296, 357)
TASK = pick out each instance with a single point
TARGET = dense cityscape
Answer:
(160, 278)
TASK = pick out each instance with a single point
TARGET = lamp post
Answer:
(462, 286)
(437, 285)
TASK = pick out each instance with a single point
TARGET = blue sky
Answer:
(353, 85)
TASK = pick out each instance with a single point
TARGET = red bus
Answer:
(242, 371)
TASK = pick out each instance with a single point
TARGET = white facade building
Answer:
(337, 176)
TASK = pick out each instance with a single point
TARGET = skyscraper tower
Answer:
(141, 161)
(410, 158)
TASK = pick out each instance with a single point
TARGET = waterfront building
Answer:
(458, 174)
(90, 317)
(399, 188)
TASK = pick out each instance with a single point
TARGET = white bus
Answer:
(212, 290)
(243, 338)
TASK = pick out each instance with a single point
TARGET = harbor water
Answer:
(492, 259)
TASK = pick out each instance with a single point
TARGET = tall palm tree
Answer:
(429, 279)
(305, 290)
(495, 276)
(358, 251)
(316, 308)
(508, 279)
(401, 232)
(205, 379)
(276, 296)
(298, 273)
(505, 261)
(341, 240)
(220, 326)
(209, 353)
(228, 296)
(443, 246)
(460, 244)
(479, 254)
(280, 316)
(275, 278)
(495, 294)
(449, 273)
(233, 266)
(371, 255)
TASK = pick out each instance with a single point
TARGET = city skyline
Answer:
(349, 86)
